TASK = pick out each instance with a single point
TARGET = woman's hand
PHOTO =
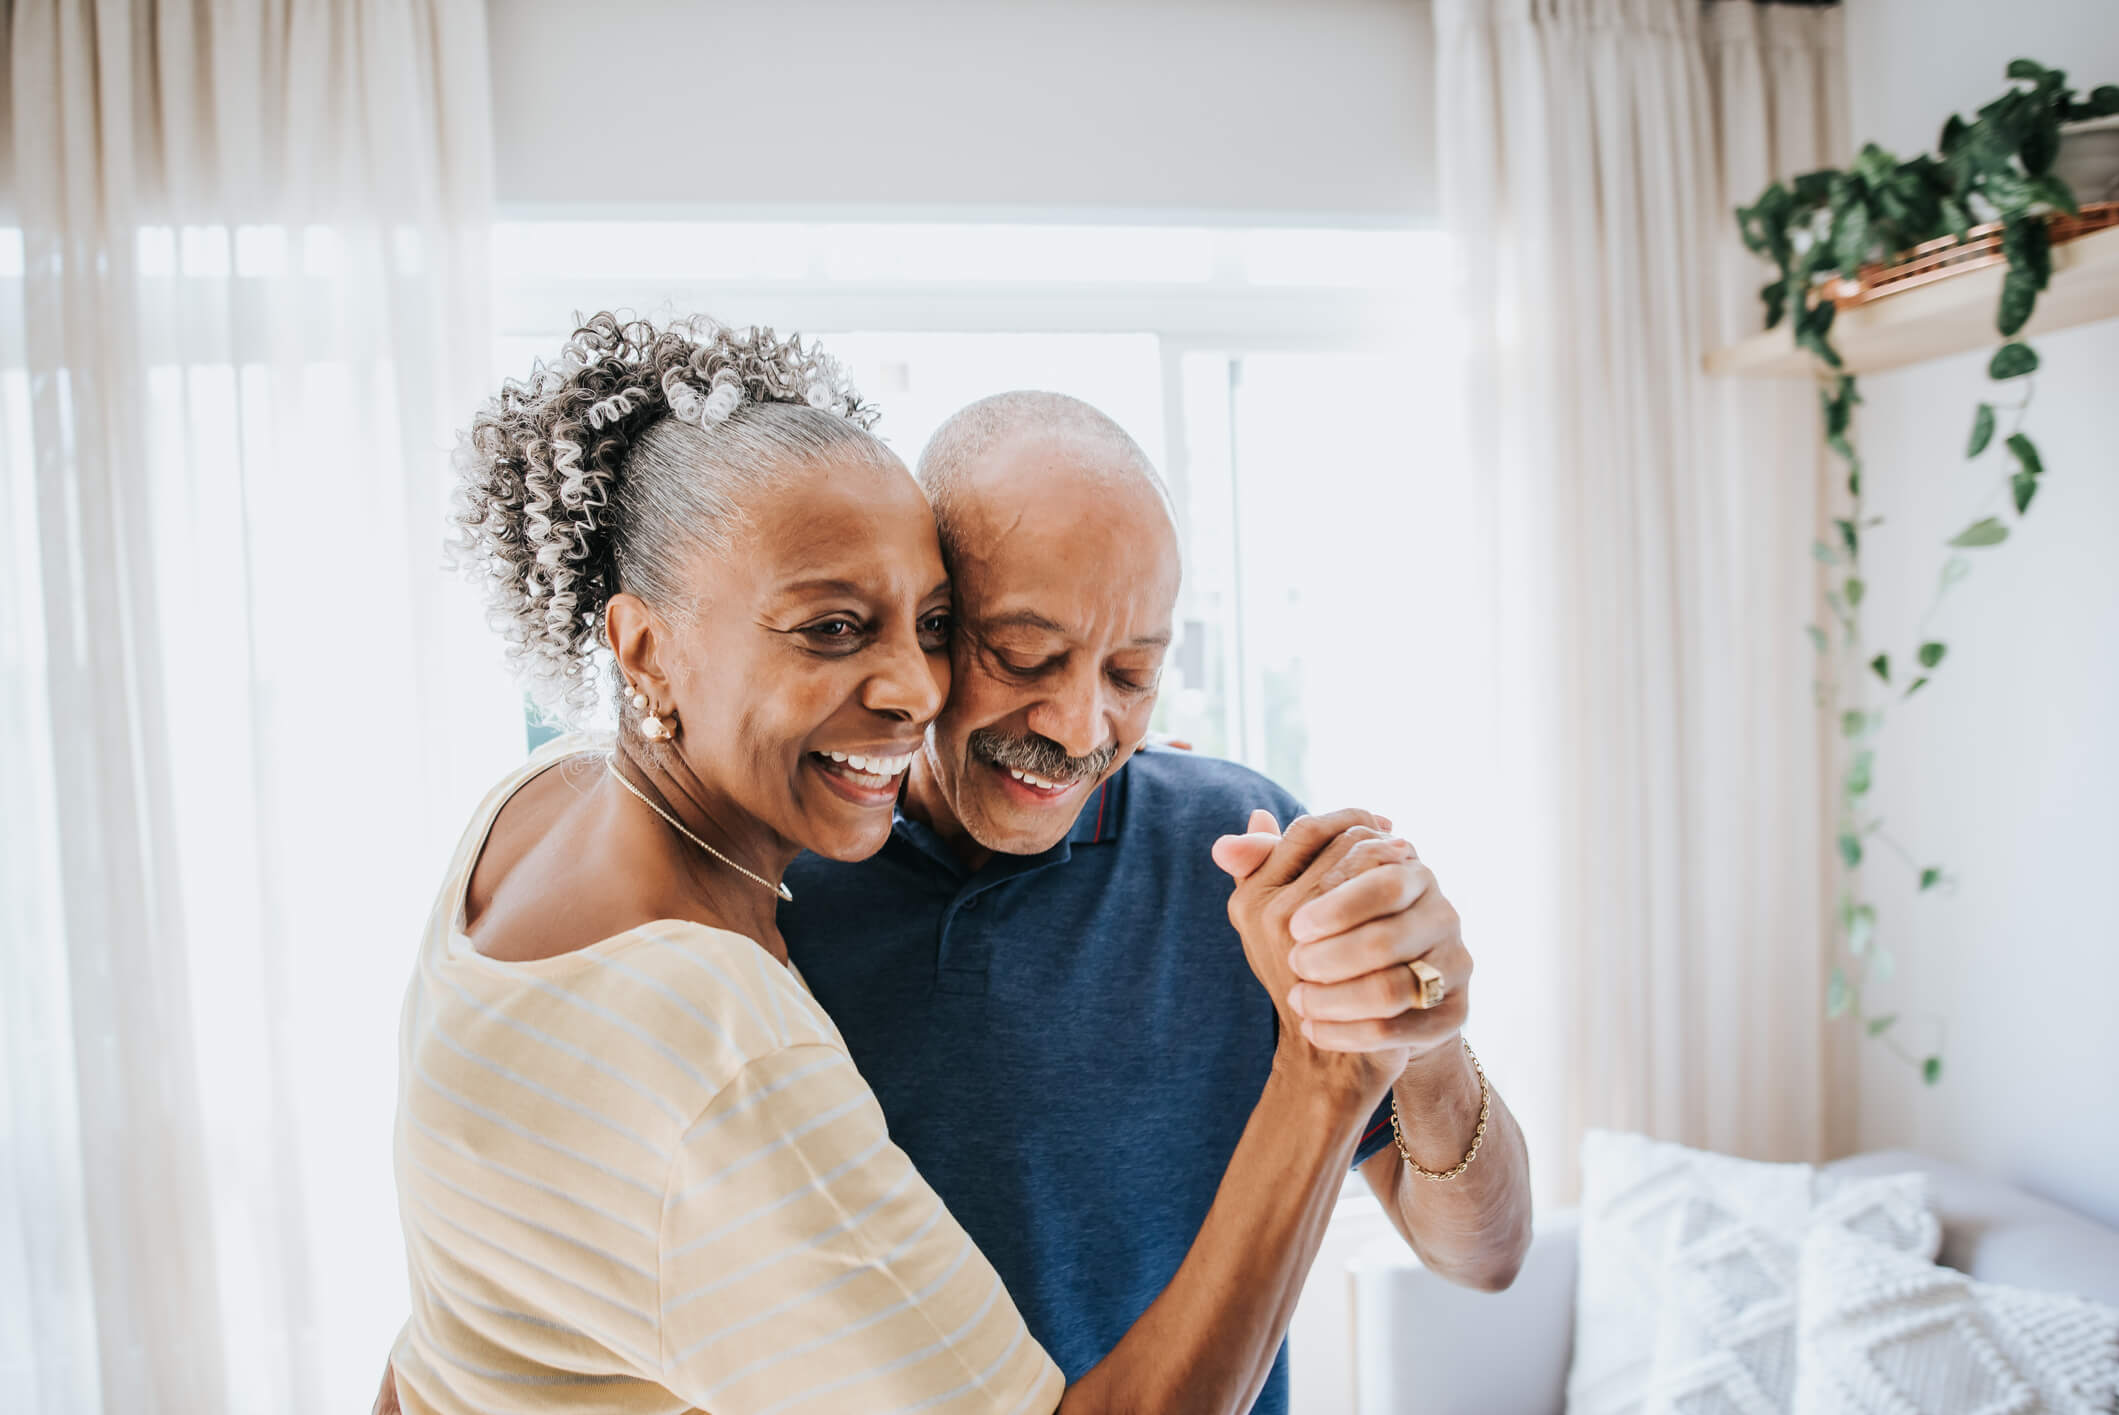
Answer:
(1277, 877)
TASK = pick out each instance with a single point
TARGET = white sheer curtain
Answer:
(246, 308)
(1657, 879)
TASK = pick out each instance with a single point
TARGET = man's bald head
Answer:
(967, 451)
(1063, 557)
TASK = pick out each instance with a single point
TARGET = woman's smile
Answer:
(869, 777)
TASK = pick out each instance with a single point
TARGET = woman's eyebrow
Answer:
(822, 584)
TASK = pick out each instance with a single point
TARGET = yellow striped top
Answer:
(646, 1176)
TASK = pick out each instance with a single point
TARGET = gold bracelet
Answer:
(1478, 1135)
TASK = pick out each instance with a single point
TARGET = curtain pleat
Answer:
(244, 707)
(1647, 530)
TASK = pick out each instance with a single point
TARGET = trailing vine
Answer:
(1825, 227)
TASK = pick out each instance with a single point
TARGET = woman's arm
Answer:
(1208, 1342)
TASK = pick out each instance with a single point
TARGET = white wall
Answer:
(1220, 106)
(2007, 769)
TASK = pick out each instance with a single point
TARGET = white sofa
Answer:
(1423, 1346)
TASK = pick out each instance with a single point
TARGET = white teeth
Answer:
(880, 768)
(1038, 781)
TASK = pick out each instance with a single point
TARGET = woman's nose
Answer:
(908, 682)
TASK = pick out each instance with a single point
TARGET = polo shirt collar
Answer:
(1102, 814)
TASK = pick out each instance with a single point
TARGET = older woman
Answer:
(636, 1168)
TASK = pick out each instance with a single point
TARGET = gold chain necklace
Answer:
(611, 765)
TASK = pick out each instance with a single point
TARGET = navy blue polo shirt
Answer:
(1068, 1044)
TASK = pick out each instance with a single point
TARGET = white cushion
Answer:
(1883, 1333)
(1685, 1295)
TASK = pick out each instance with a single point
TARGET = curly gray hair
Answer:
(611, 469)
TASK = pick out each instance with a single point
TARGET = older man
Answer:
(1038, 974)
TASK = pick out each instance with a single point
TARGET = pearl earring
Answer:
(651, 727)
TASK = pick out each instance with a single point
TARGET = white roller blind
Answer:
(1266, 109)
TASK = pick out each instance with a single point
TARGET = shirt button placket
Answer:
(965, 951)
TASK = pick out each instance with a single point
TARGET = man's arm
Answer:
(1354, 942)
(1473, 1229)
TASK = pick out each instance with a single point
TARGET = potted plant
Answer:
(2006, 182)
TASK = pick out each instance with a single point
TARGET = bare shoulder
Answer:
(550, 879)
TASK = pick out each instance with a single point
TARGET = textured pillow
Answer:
(1886, 1334)
(1706, 1246)
(1726, 1337)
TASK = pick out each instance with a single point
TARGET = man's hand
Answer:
(1277, 877)
(1371, 910)
(386, 1398)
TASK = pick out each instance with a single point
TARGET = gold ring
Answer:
(1428, 990)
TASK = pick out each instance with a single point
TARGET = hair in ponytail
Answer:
(611, 468)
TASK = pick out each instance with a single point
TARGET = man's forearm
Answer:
(1473, 1229)
(1208, 1342)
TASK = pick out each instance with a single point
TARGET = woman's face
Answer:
(816, 656)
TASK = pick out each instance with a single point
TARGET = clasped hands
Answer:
(1331, 912)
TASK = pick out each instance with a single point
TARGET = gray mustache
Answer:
(1040, 756)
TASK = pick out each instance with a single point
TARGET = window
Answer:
(1293, 385)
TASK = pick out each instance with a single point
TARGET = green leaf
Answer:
(1930, 876)
(2040, 145)
(1852, 236)
(2009, 193)
(2012, 360)
(1955, 569)
(1776, 298)
(1838, 996)
(1931, 1070)
(1850, 849)
(1882, 964)
(2026, 69)
(1931, 653)
(1817, 637)
(2023, 486)
(1881, 665)
(2019, 296)
(1858, 774)
(2026, 453)
(2104, 100)
(1880, 1025)
(1982, 430)
(1985, 531)
(1848, 536)
(1823, 554)
(1855, 590)
(1915, 686)
(2053, 189)
(1861, 929)
(1957, 217)
(2029, 248)
(1853, 722)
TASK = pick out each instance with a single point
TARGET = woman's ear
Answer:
(635, 637)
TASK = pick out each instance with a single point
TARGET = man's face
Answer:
(1065, 585)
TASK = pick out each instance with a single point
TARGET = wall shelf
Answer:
(1951, 316)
